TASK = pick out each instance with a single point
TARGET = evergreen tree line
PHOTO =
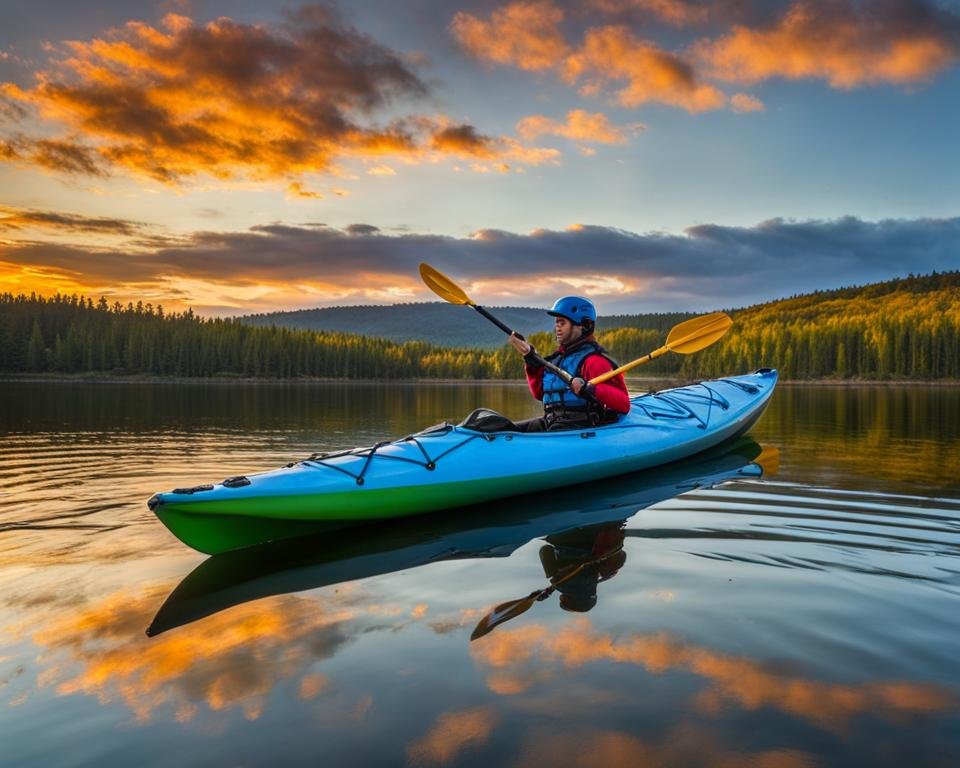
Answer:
(72, 334)
(904, 328)
(907, 328)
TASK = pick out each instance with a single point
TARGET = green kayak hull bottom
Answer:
(491, 530)
(208, 529)
(454, 466)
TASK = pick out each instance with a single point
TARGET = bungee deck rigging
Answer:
(676, 409)
(452, 465)
(319, 459)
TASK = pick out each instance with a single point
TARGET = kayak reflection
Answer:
(573, 521)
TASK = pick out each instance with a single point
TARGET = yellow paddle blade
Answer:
(503, 612)
(685, 338)
(443, 286)
(769, 460)
(698, 333)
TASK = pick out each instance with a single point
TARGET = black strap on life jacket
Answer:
(595, 412)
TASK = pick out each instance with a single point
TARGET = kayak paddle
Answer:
(684, 338)
(449, 291)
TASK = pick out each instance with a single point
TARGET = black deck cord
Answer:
(319, 460)
(370, 456)
(750, 389)
(680, 411)
(684, 408)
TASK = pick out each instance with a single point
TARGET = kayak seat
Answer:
(487, 420)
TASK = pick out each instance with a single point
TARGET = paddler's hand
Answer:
(519, 344)
(582, 388)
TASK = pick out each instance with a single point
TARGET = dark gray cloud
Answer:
(709, 266)
(463, 140)
(88, 266)
(362, 229)
(22, 218)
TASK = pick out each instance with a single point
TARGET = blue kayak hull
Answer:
(452, 466)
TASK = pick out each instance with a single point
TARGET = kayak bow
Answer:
(452, 465)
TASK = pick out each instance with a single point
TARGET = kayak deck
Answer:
(451, 466)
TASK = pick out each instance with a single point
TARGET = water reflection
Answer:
(232, 661)
(902, 439)
(452, 734)
(805, 619)
(494, 529)
(517, 659)
(682, 745)
(337, 408)
(575, 562)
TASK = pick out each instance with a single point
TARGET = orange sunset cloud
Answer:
(742, 102)
(526, 35)
(651, 74)
(678, 13)
(230, 100)
(580, 125)
(847, 44)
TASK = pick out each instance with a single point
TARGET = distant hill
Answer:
(442, 324)
(903, 328)
(900, 329)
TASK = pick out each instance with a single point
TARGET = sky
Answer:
(654, 155)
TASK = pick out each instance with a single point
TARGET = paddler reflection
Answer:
(575, 562)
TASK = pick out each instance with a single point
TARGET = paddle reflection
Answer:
(563, 517)
(575, 562)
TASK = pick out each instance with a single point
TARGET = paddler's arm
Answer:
(613, 393)
(531, 366)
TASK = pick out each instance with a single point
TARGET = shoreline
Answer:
(84, 378)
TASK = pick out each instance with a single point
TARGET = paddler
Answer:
(580, 404)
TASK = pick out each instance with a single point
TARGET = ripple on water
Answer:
(94, 483)
(808, 527)
(853, 583)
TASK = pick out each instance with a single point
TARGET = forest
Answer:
(907, 328)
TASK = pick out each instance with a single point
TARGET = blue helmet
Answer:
(575, 308)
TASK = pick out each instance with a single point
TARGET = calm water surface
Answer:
(792, 602)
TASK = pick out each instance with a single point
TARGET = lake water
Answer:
(799, 611)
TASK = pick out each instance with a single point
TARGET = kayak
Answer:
(456, 465)
(497, 529)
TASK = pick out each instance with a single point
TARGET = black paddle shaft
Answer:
(510, 332)
(501, 326)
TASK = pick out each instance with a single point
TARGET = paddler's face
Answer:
(566, 332)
